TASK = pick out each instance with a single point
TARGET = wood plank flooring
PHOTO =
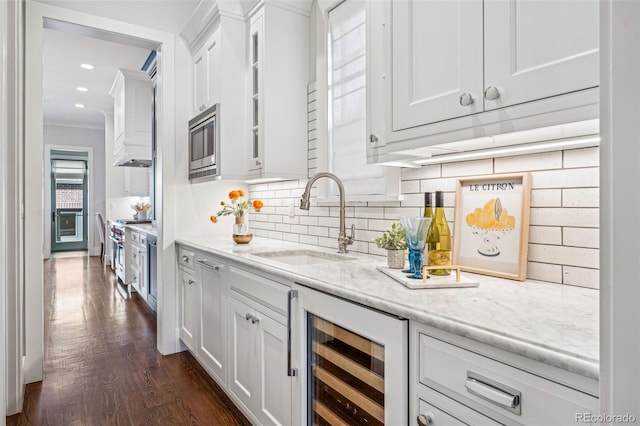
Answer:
(101, 364)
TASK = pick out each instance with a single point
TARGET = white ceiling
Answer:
(63, 54)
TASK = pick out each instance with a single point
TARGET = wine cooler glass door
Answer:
(356, 370)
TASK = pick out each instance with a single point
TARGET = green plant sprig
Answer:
(392, 239)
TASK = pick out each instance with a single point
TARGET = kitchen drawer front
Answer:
(265, 291)
(135, 256)
(135, 237)
(489, 386)
(186, 258)
(438, 410)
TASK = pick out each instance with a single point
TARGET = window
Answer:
(346, 116)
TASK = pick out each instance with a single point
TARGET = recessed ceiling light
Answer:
(79, 105)
(87, 66)
(81, 89)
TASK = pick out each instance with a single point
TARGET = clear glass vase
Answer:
(241, 227)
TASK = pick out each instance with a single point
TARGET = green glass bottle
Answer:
(439, 239)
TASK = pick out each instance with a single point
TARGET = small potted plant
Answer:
(393, 241)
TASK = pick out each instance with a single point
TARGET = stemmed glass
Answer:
(415, 229)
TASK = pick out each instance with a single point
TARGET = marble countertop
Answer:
(551, 323)
(147, 228)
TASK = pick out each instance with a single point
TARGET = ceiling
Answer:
(63, 55)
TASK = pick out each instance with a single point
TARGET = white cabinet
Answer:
(213, 300)
(463, 69)
(472, 380)
(206, 74)
(258, 347)
(189, 299)
(132, 117)
(277, 80)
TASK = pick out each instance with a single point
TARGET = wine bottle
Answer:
(439, 239)
(428, 209)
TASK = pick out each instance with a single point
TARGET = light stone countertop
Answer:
(147, 228)
(551, 323)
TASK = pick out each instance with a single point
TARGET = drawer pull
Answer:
(494, 392)
(191, 282)
(185, 259)
(212, 267)
(425, 419)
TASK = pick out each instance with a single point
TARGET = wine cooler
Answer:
(355, 371)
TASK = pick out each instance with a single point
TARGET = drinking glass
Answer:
(415, 229)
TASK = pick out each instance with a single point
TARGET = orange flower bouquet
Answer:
(238, 208)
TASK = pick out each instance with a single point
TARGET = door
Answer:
(212, 318)
(68, 205)
(437, 61)
(212, 54)
(275, 384)
(256, 55)
(189, 309)
(243, 370)
(199, 81)
(535, 49)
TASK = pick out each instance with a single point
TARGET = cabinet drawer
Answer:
(497, 389)
(438, 410)
(267, 292)
(186, 258)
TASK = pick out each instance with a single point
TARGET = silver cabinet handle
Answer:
(494, 392)
(425, 419)
(212, 267)
(191, 282)
(373, 138)
(248, 316)
(491, 93)
(254, 319)
(466, 99)
(290, 296)
(184, 258)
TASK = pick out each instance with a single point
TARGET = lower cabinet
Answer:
(458, 381)
(189, 293)
(258, 361)
(212, 331)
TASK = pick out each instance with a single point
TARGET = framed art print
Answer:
(491, 225)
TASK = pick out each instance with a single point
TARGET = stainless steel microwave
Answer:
(204, 145)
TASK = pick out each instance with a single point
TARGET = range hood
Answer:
(132, 93)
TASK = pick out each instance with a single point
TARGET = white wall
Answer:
(56, 135)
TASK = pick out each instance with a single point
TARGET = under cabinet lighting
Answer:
(87, 66)
(264, 180)
(79, 105)
(81, 89)
(531, 148)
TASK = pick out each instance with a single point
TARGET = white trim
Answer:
(3, 193)
(91, 250)
(619, 209)
(73, 125)
(167, 290)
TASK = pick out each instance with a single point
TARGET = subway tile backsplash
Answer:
(563, 233)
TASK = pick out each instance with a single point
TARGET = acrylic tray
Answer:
(448, 281)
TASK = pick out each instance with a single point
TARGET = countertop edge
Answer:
(583, 367)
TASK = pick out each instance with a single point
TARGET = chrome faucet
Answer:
(343, 240)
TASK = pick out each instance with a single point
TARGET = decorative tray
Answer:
(448, 281)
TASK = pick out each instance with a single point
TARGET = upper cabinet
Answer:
(277, 78)
(132, 117)
(452, 70)
(206, 74)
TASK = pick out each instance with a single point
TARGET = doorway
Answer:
(69, 203)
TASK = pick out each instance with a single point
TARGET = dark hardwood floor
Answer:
(101, 364)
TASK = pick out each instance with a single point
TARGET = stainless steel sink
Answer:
(303, 257)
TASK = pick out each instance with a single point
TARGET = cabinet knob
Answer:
(185, 259)
(466, 99)
(254, 319)
(248, 316)
(373, 138)
(191, 282)
(425, 419)
(491, 93)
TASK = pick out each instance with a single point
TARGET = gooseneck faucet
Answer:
(343, 240)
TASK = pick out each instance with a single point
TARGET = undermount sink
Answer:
(303, 257)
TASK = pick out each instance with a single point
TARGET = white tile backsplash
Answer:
(564, 215)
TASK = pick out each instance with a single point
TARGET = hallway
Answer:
(101, 364)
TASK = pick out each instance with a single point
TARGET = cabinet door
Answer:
(189, 309)
(243, 352)
(118, 112)
(436, 59)
(199, 80)
(211, 351)
(142, 274)
(275, 384)
(539, 48)
(256, 60)
(212, 55)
